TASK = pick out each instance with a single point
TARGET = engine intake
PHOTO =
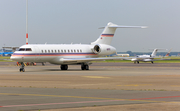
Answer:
(97, 49)
(103, 49)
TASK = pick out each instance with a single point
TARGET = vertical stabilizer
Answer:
(154, 53)
(168, 53)
(107, 34)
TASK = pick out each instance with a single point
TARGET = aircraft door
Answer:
(37, 51)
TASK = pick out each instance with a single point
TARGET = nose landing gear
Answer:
(22, 67)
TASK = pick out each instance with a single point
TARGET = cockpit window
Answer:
(22, 49)
(25, 49)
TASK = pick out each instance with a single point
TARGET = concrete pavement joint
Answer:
(111, 99)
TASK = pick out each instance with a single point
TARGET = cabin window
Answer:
(68, 51)
(45, 51)
(58, 51)
(55, 51)
(77, 50)
(52, 51)
(62, 51)
(65, 51)
(80, 50)
(42, 51)
(48, 51)
(74, 50)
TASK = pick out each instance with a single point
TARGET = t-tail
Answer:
(108, 33)
(154, 53)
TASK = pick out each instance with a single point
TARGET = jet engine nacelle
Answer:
(102, 49)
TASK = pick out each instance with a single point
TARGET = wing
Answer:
(80, 60)
(160, 59)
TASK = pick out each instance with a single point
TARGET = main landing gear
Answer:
(64, 67)
(22, 67)
(136, 61)
(83, 67)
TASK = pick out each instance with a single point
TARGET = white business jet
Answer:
(147, 58)
(68, 54)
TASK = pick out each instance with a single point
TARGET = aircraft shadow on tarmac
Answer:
(69, 70)
(72, 70)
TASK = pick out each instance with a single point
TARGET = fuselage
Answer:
(143, 58)
(53, 53)
(66, 54)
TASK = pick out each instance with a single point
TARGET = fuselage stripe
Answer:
(107, 35)
(53, 54)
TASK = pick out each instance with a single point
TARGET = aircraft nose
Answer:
(15, 58)
(12, 58)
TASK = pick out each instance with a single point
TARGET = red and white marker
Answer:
(26, 22)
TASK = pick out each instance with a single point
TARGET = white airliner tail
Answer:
(168, 53)
(108, 33)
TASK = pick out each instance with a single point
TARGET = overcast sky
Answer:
(77, 21)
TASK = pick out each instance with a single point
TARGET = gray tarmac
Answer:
(106, 86)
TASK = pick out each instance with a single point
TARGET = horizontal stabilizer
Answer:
(128, 26)
(111, 25)
(125, 27)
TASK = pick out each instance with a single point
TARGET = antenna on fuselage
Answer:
(26, 22)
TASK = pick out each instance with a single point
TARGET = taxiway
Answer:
(105, 86)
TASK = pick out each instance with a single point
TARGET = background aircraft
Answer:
(147, 58)
(6, 52)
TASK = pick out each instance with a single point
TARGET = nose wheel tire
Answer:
(22, 67)
(22, 70)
